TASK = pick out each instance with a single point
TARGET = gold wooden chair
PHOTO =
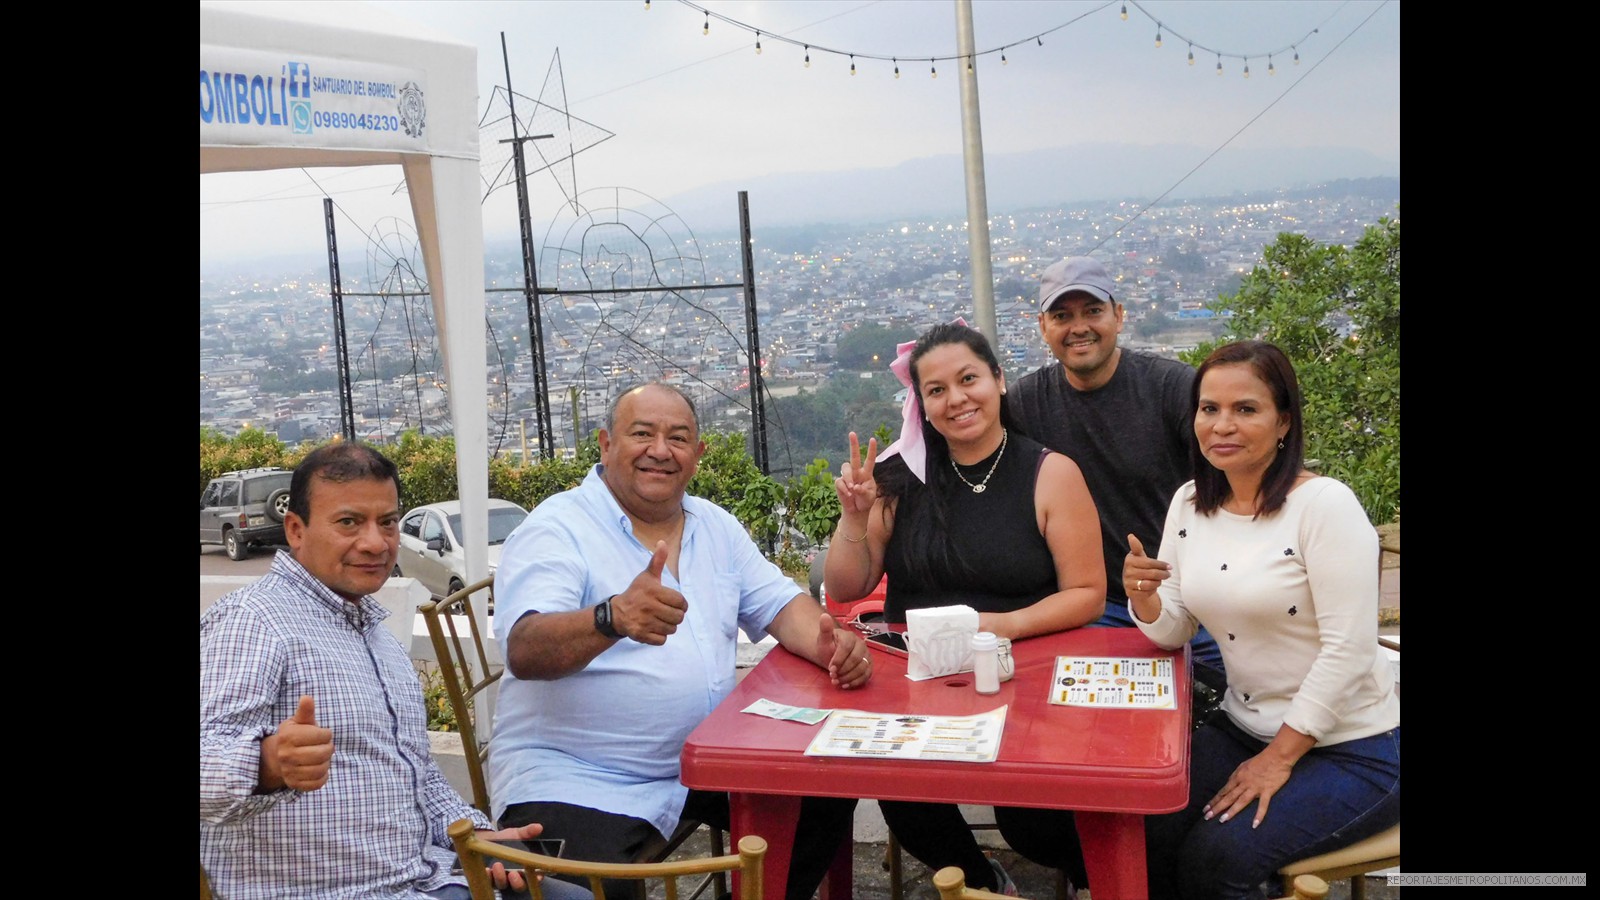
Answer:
(205, 885)
(477, 853)
(1307, 887)
(1373, 854)
(951, 883)
(464, 682)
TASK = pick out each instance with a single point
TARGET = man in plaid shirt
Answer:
(315, 776)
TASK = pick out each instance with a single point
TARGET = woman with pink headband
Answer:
(965, 509)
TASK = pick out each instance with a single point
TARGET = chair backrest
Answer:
(465, 669)
(477, 853)
(951, 883)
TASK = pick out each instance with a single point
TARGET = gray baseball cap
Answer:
(1075, 273)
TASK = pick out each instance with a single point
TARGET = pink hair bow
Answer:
(909, 445)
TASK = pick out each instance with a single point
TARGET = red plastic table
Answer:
(1113, 766)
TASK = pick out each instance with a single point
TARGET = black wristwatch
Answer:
(602, 619)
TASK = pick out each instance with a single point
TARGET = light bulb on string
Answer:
(1124, 12)
(1270, 69)
(897, 68)
(707, 30)
(808, 56)
(969, 65)
(1158, 35)
(1219, 63)
(1040, 39)
(1191, 54)
(1003, 60)
(758, 43)
(646, 5)
(933, 72)
(852, 64)
(1247, 68)
(1296, 55)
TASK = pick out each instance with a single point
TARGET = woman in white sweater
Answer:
(1281, 565)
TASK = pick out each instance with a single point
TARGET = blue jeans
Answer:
(1203, 649)
(1335, 796)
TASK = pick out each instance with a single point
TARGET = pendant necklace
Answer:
(981, 486)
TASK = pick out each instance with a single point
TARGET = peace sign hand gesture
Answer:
(855, 485)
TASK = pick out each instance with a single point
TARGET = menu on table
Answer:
(850, 732)
(1113, 682)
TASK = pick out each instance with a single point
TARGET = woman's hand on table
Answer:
(848, 661)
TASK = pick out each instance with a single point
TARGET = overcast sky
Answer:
(690, 109)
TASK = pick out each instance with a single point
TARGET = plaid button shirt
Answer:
(377, 827)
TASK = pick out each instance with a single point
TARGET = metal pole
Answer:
(530, 285)
(758, 410)
(347, 410)
(977, 194)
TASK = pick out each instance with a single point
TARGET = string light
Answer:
(971, 57)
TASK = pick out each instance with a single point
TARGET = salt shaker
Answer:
(986, 662)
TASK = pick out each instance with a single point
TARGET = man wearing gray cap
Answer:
(1126, 419)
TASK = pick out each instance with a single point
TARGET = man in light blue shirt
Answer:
(625, 595)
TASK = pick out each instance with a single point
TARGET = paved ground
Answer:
(872, 878)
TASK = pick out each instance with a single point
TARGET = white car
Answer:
(430, 543)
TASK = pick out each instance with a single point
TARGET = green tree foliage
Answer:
(1335, 311)
(817, 424)
(251, 448)
(857, 349)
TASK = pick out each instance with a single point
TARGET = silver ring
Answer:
(1139, 586)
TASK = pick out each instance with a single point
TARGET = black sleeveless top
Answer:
(1008, 564)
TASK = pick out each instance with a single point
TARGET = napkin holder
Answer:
(940, 641)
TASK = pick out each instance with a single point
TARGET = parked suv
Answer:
(246, 507)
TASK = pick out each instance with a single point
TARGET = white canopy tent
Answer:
(290, 84)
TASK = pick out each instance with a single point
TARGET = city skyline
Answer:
(691, 110)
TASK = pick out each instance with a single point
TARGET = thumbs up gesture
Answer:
(648, 611)
(299, 755)
(1141, 575)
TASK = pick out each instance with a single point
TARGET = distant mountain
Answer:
(934, 186)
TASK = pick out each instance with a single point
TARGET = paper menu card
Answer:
(850, 732)
(1113, 682)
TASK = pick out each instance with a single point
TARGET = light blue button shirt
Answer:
(609, 737)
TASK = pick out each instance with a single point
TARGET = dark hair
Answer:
(338, 462)
(1271, 366)
(921, 516)
(611, 414)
